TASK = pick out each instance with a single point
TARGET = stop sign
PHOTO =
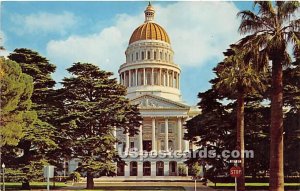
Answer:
(235, 171)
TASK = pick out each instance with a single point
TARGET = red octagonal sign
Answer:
(235, 171)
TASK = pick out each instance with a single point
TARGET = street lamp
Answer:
(3, 172)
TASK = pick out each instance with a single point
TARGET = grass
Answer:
(254, 186)
(34, 185)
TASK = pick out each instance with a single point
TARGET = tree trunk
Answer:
(25, 185)
(240, 138)
(276, 132)
(90, 181)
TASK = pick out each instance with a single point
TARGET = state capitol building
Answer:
(153, 83)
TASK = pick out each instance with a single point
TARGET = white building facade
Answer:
(153, 83)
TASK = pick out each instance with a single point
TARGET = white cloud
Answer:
(199, 33)
(43, 23)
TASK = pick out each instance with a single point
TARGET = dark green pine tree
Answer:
(38, 140)
(93, 105)
(16, 90)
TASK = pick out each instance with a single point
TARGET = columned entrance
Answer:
(146, 168)
(159, 168)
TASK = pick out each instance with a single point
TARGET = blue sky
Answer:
(98, 32)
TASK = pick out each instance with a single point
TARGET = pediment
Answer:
(155, 102)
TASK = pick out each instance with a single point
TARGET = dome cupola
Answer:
(149, 66)
(149, 30)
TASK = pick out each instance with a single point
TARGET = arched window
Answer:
(171, 145)
(173, 168)
(120, 169)
(133, 168)
(159, 168)
(146, 168)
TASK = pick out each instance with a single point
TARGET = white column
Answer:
(129, 76)
(144, 76)
(136, 77)
(115, 136)
(166, 134)
(166, 168)
(127, 169)
(127, 142)
(152, 77)
(153, 169)
(153, 135)
(159, 80)
(177, 80)
(141, 140)
(172, 81)
(179, 135)
(168, 79)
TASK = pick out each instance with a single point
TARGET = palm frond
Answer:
(287, 9)
(265, 8)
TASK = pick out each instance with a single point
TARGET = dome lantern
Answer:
(149, 13)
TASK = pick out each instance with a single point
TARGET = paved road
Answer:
(188, 186)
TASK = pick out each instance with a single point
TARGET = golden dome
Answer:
(149, 31)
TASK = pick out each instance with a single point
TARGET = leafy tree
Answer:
(38, 139)
(93, 105)
(16, 90)
(271, 29)
(238, 77)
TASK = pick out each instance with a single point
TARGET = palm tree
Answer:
(271, 29)
(238, 77)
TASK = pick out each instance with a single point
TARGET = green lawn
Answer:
(34, 185)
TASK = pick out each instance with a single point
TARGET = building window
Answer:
(162, 145)
(146, 168)
(131, 57)
(156, 77)
(162, 127)
(143, 55)
(171, 126)
(148, 77)
(159, 168)
(154, 55)
(132, 145)
(137, 56)
(166, 57)
(140, 78)
(160, 57)
(148, 55)
(133, 168)
(171, 145)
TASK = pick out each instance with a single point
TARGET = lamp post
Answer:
(3, 174)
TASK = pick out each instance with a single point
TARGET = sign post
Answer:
(48, 173)
(235, 172)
